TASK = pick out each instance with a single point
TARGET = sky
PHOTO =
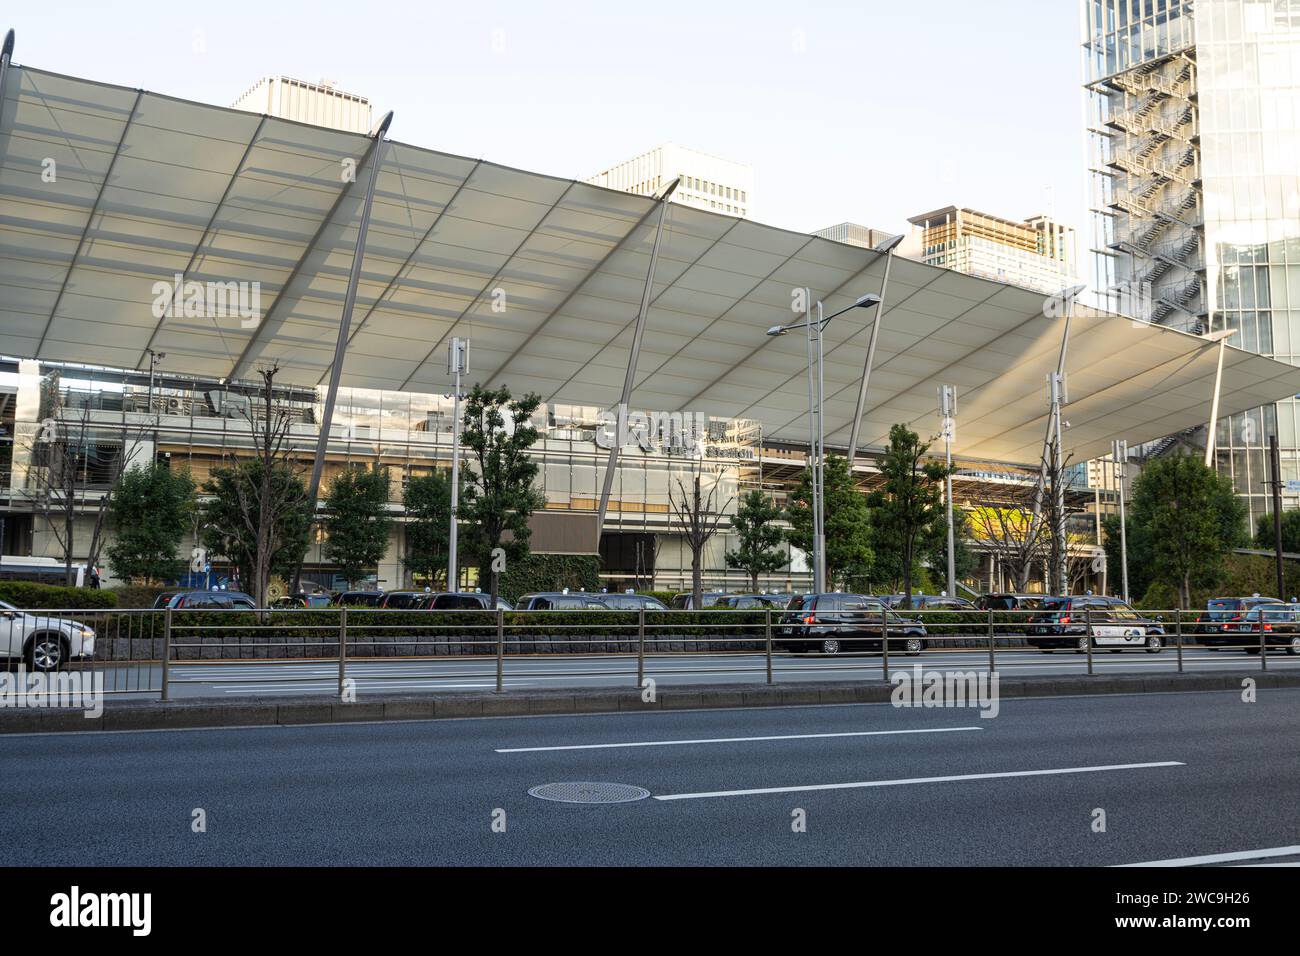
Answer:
(869, 112)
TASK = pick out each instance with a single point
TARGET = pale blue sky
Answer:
(892, 108)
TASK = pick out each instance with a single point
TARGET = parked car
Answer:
(632, 602)
(45, 643)
(1010, 601)
(404, 600)
(686, 602)
(1234, 622)
(755, 602)
(846, 623)
(1224, 621)
(931, 602)
(463, 601)
(1062, 622)
(359, 598)
(561, 601)
(199, 600)
(295, 601)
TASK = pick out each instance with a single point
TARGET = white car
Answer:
(45, 643)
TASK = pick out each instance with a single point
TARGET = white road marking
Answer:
(731, 740)
(864, 784)
(1222, 857)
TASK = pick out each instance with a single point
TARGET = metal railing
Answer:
(156, 652)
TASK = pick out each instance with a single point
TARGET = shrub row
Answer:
(34, 596)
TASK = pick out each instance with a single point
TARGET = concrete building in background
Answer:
(1194, 122)
(1036, 253)
(854, 234)
(317, 103)
(708, 182)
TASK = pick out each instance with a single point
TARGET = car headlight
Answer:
(86, 632)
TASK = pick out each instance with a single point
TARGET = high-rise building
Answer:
(317, 103)
(1194, 123)
(1036, 253)
(708, 182)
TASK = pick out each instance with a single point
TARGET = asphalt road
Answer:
(269, 678)
(1177, 776)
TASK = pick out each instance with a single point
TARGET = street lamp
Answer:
(154, 359)
(816, 425)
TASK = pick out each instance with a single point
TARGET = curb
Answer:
(203, 712)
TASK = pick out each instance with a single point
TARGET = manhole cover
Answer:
(589, 792)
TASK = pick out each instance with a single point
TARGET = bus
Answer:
(46, 571)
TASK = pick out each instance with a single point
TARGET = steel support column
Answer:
(345, 319)
(633, 354)
(871, 354)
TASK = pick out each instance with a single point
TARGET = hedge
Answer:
(29, 595)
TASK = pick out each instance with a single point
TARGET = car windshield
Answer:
(1224, 610)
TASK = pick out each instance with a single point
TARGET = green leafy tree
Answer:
(1191, 518)
(231, 528)
(149, 512)
(428, 511)
(849, 556)
(760, 539)
(357, 521)
(909, 502)
(499, 496)
(934, 546)
(1140, 561)
(1290, 531)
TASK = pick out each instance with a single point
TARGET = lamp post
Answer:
(816, 429)
(948, 412)
(457, 365)
(1119, 452)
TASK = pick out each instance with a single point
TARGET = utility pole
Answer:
(1275, 471)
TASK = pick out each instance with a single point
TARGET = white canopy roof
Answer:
(145, 186)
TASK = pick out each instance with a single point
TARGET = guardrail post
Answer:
(167, 653)
(1263, 642)
(767, 637)
(992, 660)
(501, 649)
(640, 646)
(343, 647)
(1178, 636)
(884, 640)
(1087, 622)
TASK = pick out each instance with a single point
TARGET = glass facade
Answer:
(1195, 121)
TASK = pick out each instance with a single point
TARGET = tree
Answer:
(428, 511)
(1290, 532)
(908, 502)
(498, 496)
(150, 511)
(357, 522)
(1140, 561)
(849, 555)
(259, 516)
(1192, 519)
(230, 510)
(759, 537)
(699, 517)
(1008, 531)
(934, 546)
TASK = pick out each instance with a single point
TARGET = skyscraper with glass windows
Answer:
(1194, 123)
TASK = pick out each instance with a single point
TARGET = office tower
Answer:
(1194, 121)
